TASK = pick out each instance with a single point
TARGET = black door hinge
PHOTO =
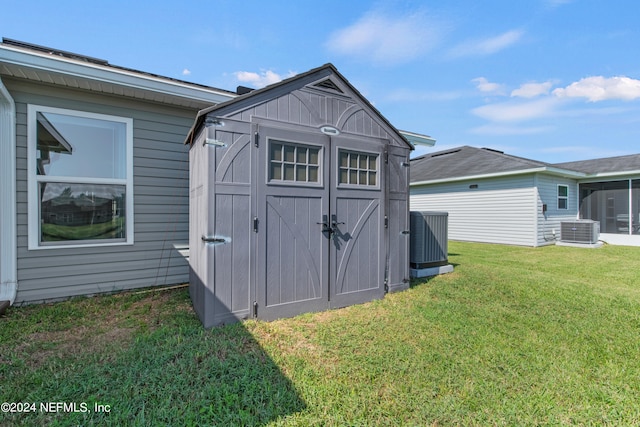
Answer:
(255, 224)
(255, 309)
(256, 139)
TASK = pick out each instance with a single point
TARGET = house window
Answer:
(357, 168)
(293, 162)
(80, 178)
(563, 197)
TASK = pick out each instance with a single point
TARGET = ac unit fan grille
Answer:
(584, 231)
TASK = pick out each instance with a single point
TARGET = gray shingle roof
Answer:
(467, 161)
(609, 164)
(471, 161)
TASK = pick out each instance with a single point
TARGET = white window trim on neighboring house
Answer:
(565, 198)
(34, 179)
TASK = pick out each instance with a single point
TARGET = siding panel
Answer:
(498, 211)
(160, 204)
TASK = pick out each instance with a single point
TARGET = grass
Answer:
(514, 336)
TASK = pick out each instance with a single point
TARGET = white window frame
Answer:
(33, 179)
(565, 198)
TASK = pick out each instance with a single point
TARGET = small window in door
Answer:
(357, 168)
(293, 162)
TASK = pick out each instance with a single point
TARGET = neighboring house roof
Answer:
(467, 162)
(608, 165)
(43, 64)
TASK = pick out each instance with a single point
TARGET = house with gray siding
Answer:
(495, 197)
(94, 185)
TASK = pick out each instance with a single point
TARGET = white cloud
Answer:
(382, 38)
(531, 90)
(517, 111)
(487, 46)
(186, 72)
(486, 86)
(599, 88)
(262, 79)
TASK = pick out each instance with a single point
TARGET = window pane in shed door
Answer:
(301, 173)
(289, 172)
(344, 160)
(276, 171)
(301, 155)
(289, 153)
(276, 152)
(313, 174)
(313, 156)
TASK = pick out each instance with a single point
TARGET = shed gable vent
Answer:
(328, 84)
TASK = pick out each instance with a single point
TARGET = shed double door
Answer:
(320, 222)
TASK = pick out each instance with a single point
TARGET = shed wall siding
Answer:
(498, 211)
(161, 197)
(315, 108)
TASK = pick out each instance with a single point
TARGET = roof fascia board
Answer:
(417, 139)
(552, 171)
(623, 174)
(120, 77)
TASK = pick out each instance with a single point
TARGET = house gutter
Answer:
(8, 240)
(544, 169)
(111, 75)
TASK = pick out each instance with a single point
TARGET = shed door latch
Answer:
(215, 239)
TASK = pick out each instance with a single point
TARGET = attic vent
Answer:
(491, 149)
(328, 84)
(444, 153)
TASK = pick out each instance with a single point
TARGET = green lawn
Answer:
(514, 336)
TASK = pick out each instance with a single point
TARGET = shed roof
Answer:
(290, 84)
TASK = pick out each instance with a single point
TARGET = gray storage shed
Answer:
(298, 201)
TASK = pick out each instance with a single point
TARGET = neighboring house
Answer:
(94, 174)
(494, 197)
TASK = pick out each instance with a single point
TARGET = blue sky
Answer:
(551, 80)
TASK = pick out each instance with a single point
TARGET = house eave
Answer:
(417, 139)
(544, 169)
(623, 174)
(53, 69)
